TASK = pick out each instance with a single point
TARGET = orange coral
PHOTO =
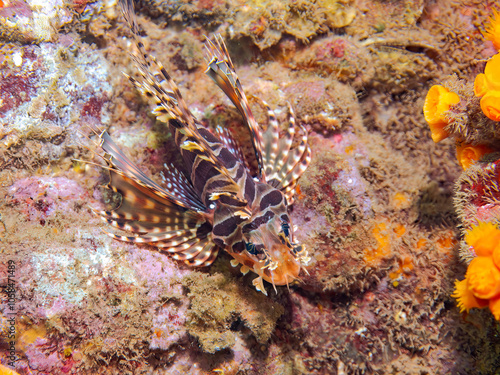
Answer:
(465, 298)
(496, 255)
(492, 72)
(437, 102)
(483, 237)
(492, 31)
(495, 307)
(381, 234)
(490, 104)
(481, 286)
(490, 79)
(5, 370)
(483, 278)
(468, 154)
(480, 85)
(487, 87)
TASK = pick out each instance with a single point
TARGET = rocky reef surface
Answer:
(374, 208)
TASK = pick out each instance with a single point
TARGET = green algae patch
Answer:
(219, 302)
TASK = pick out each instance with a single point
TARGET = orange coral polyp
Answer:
(495, 307)
(483, 278)
(492, 73)
(492, 32)
(484, 238)
(490, 104)
(480, 85)
(465, 298)
(468, 154)
(496, 256)
(437, 102)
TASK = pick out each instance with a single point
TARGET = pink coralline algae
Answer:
(41, 197)
(47, 93)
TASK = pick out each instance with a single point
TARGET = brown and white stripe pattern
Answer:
(218, 203)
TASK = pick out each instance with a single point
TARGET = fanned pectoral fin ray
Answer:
(181, 187)
(176, 223)
(181, 232)
(122, 165)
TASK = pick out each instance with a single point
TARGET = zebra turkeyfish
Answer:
(217, 204)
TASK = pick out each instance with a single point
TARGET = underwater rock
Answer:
(339, 56)
(211, 322)
(33, 22)
(373, 210)
(266, 22)
(48, 94)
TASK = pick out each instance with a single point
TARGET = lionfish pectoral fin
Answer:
(176, 182)
(221, 70)
(181, 232)
(205, 257)
(175, 219)
(121, 165)
(258, 283)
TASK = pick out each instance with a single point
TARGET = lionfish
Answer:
(217, 204)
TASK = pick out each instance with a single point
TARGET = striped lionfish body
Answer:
(217, 204)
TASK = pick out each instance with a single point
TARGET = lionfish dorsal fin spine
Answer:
(277, 165)
(221, 70)
(158, 84)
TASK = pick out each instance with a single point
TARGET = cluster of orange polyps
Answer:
(481, 286)
(440, 100)
(487, 87)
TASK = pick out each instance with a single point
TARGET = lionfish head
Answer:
(269, 247)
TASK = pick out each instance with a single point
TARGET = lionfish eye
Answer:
(250, 247)
(285, 228)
